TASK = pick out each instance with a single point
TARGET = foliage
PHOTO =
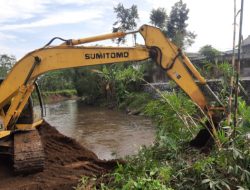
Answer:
(65, 93)
(209, 52)
(171, 164)
(222, 72)
(56, 80)
(170, 112)
(83, 182)
(244, 112)
(135, 100)
(174, 26)
(158, 17)
(119, 80)
(177, 26)
(82, 80)
(87, 83)
(110, 82)
(126, 19)
(6, 62)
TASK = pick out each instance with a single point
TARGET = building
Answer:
(198, 59)
(245, 57)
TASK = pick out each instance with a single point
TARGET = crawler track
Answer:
(28, 155)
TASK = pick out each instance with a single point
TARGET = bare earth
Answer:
(66, 161)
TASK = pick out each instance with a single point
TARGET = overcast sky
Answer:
(26, 25)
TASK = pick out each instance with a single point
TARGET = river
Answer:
(108, 133)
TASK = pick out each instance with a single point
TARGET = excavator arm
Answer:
(20, 81)
(18, 85)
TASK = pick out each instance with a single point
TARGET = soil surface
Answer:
(66, 161)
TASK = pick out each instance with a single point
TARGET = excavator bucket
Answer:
(204, 137)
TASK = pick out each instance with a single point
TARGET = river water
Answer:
(108, 133)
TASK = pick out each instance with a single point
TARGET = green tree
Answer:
(6, 62)
(87, 83)
(56, 80)
(119, 80)
(158, 17)
(177, 26)
(209, 53)
(211, 67)
(126, 20)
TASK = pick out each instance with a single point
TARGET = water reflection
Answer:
(108, 133)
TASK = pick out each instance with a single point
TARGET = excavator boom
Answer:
(16, 89)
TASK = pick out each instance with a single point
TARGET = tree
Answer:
(158, 17)
(211, 68)
(6, 62)
(209, 53)
(56, 80)
(126, 20)
(177, 26)
(87, 83)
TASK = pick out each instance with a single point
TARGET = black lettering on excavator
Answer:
(112, 55)
(99, 56)
(120, 54)
(125, 54)
(87, 56)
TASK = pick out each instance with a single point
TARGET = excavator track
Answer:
(28, 153)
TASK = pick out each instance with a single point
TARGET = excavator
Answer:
(19, 138)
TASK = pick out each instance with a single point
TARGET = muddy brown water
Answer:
(108, 133)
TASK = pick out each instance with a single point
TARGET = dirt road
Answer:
(66, 161)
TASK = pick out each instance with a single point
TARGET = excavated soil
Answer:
(66, 161)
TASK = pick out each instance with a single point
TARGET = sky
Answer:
(26, 25)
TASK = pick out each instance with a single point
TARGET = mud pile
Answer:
(66, 161)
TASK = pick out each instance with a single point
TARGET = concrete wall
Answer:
(216, 86)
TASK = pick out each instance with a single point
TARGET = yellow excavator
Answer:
(19, 138)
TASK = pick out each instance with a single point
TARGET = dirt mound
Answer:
(66, 161)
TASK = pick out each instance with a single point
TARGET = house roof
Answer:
(194, 56)
(246, 41)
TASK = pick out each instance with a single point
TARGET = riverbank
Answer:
(171, 163)
(65, 162)
(59, 95)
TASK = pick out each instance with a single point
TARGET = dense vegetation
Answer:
(6, 62)
(171, 163)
